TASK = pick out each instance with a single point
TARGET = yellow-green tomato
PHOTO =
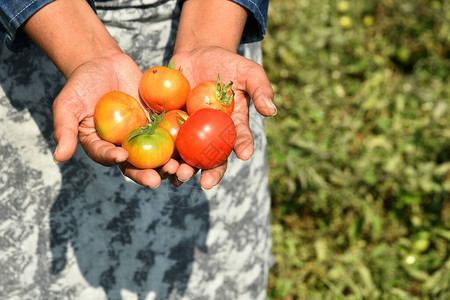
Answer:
(148, 147)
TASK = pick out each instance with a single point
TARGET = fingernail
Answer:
(270, 106)
(155, 186)
(274, 108)
(276, 111)
(184, 177)
(118, 161)
(54, 153)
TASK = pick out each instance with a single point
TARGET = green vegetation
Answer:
(359, 152)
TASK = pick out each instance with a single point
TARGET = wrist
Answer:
(93, 50)
(71, 34)
(210, 23)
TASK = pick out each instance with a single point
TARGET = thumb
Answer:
(260, 91)
(65, 126)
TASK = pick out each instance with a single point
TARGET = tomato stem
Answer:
(152, 122)
(222, 91)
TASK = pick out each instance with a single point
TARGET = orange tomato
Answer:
(164, 88)
(171, 123)
(116, 114)
(211, 94)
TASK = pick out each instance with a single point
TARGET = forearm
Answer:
(206, 23)
(70, 33)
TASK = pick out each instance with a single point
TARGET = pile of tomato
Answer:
(193, 125)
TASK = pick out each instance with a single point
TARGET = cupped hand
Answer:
(73, 111)
(249, 82)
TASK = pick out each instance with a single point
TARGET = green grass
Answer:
(359, 152)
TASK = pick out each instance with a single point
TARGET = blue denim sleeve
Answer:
(255, 28)
(13, 13)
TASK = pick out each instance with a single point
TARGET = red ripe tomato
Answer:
(211, 94)
(171, 123)
(164, 88)
(116, 114)
(206, 139)
(148, 147)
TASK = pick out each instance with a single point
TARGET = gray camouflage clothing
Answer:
(78, 230)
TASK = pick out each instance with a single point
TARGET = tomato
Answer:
(211, 94)
(206, 139)
(164, 88)
(148, 146)
(116, 114)
(171, 123)
(421, 242)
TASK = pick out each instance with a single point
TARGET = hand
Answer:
(73, 111)
(249, 81)
(93, 65)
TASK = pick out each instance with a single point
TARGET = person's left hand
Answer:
(249, 82)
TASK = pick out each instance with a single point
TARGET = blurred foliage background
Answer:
(359, 152)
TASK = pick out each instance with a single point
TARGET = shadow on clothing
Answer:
(122, 236)
(131, 240)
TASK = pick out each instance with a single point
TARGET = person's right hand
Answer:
(73, 111)
(78, 43)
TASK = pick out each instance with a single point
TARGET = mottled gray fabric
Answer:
(78, 230)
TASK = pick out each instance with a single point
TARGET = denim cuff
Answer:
(255, 27)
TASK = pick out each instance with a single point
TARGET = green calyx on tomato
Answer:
(211, 94)
(172, 66)
(150, 128)
(222, 92)
(182, 119)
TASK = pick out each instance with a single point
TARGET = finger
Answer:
(244, 145)
(96, 148)
(147, 177)
(103, 152)
(168, 169)
(65, 126)
(258, 87)
(185, 172)
(212, 177)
